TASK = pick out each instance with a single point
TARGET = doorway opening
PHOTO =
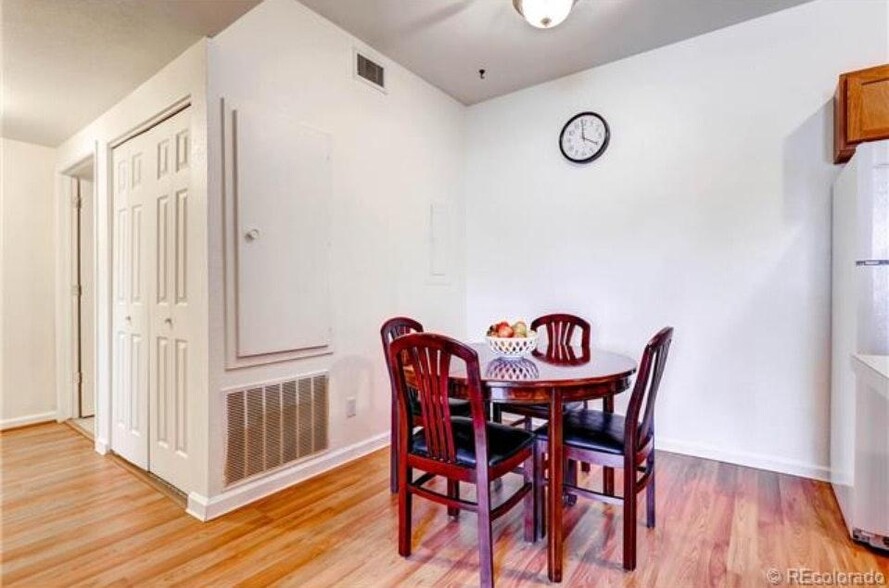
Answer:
(83, 296)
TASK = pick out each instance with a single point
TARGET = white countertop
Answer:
(878, 363)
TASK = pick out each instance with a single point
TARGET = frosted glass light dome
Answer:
(544, 14)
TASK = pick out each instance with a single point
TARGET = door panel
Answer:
(171, 321)
(152, 319)
(282, 224)
(87, 326)
(130, 320)
(872, 282)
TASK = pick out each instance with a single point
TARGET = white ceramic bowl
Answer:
(514, 369)
(513, 347)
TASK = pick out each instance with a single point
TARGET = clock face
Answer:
(584, 137)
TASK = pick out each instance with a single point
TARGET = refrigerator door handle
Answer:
(871, 262)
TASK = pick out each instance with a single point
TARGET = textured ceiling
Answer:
(65, 62)
(446, 42)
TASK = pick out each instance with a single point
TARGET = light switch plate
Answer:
(351, 406)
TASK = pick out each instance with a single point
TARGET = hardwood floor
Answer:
(71, 516)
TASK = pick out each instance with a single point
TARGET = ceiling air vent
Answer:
(370, 72)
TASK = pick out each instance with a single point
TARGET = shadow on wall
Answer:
(809, 170)
(809, 174)
(790, 286)
(353, 376)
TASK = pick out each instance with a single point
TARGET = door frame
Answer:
(101, 155)
(68, 343)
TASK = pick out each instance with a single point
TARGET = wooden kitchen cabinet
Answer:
(861, 110)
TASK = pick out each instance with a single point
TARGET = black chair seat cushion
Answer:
(591, 429)
(503, 442)
(458, 407)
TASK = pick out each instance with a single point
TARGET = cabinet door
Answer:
(871, 439)
(131, 292)
(867, 95)
(282, 233)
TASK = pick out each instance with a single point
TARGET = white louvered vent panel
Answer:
(274, 424)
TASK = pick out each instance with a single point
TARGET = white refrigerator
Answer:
(859, 448)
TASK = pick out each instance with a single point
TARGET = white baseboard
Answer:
(102, 446)
(204, 508)
(31, 419)
(752, 460)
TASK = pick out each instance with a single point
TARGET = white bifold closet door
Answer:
(152, 322)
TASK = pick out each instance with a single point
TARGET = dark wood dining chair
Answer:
(458, 448)
(391, 329)
(611, 440)
(560, 329)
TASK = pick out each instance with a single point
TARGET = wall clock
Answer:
(584, 137)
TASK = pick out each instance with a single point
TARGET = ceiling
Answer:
(446, 42)
(65, 62)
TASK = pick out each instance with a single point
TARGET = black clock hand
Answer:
(583, 133)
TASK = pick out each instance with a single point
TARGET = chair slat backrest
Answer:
(428, 357)
(391, 330)
(396, 327)
(648, 381)
(563, 354)
(560, 329)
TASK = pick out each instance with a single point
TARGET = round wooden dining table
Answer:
(553, 376)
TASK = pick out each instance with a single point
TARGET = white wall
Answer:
(710, 212)
(27, 335)
(183, 78)
(392, 155)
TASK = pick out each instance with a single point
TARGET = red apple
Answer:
(504, 331)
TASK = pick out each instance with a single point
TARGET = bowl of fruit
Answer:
(511, 341)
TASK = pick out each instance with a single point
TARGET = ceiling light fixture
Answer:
(544, 14)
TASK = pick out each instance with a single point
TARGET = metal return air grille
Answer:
(370, 71)
(271, 425)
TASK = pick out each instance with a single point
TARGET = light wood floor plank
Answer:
(71, 517)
